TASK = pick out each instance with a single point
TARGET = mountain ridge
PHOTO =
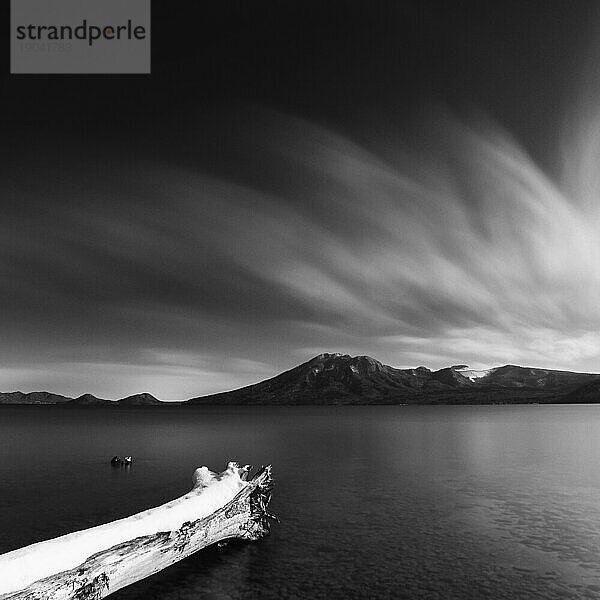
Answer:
(47, 398)
(334, 378)
(343, 379)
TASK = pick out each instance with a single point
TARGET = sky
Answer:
(408, 180)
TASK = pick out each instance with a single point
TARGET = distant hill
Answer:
(89, 400)
(144, 399)
(343, 379)
(32, 398)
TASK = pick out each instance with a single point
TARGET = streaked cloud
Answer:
(165, 278)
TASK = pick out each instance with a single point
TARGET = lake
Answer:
(375, 502)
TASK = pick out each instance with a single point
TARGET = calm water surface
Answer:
(375, 502)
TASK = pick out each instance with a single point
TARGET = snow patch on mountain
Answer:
(472, 374)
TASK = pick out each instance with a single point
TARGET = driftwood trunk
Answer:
(245, 516)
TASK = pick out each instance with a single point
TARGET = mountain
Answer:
(89, 400)
(343, 379)
(144, 399)
(32, 398)
(326, 379)
(587, 393)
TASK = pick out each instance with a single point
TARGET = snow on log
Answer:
(92, 563)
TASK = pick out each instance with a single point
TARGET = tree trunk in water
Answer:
(227, 506)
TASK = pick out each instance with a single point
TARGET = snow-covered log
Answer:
(92, 563)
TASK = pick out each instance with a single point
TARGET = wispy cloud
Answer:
(458, 248)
